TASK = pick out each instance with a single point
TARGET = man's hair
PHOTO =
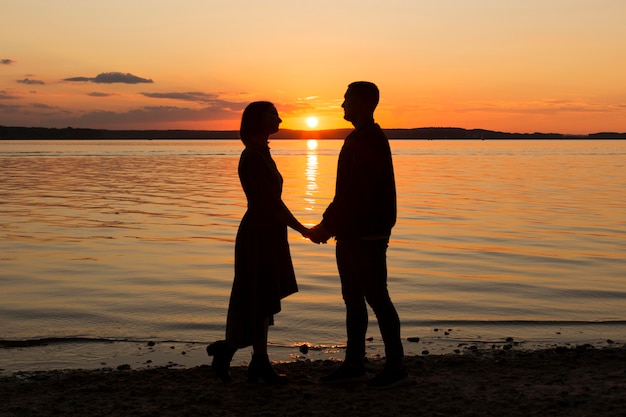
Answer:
(366, 92)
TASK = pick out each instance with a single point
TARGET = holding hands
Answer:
(316, 234)
(319, 234)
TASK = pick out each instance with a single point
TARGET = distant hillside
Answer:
(36, 133)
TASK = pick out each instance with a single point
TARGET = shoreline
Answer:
(74, 353)
(569, 381)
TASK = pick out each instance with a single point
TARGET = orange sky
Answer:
(517, 66)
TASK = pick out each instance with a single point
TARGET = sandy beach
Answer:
(563, 381)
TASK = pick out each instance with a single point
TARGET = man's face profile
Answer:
(350, 106)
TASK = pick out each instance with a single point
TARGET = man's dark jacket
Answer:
(364, 206)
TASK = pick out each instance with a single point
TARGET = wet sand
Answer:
(562, 381)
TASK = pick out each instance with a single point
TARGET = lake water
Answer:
(108, 245)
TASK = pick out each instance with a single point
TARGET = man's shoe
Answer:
(389, 378)
(345, 374)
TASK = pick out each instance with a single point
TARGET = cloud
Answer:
(547, 107)
(154, 115)
(7, 95)
(31, 114)
(111, 77)
(10, 108)
(78, 79)
(30, 82)
(98, 94)
(43, 106)
(189, 96)
(211, 100)
(6, 61)
(199, 108)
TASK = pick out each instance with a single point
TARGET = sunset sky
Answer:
(508, 65)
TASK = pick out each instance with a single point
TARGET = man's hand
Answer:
(319, 234)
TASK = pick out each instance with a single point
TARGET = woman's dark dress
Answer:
(263, 268)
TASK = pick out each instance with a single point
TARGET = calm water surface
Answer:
(134, 240)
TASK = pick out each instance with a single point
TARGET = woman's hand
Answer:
(319, 234)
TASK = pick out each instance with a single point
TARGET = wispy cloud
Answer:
(30, 114)
(147, 116)
(9, 108)
(304, 105)
(99, 94)
(43, 106)
(30, 82)
(6, 61)
(200, 108)
(197, 97)
(111, 77)
(6, 95)
(211, 100)
(548, 107)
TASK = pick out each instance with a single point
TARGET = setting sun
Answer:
(311, 122)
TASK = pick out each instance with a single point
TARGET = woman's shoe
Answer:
(222, 355)
(260, 367)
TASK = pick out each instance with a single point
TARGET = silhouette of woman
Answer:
(264, 271)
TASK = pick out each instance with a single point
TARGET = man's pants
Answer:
(362, 268)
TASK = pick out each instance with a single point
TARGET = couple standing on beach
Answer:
(360, 217)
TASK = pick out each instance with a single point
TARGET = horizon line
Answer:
(312, 131)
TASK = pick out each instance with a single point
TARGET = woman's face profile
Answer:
(272, 120)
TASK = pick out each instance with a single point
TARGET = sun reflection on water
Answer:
(311, 174)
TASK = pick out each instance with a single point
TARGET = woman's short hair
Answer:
(252, 119)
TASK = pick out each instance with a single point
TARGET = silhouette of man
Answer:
(360, 217)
